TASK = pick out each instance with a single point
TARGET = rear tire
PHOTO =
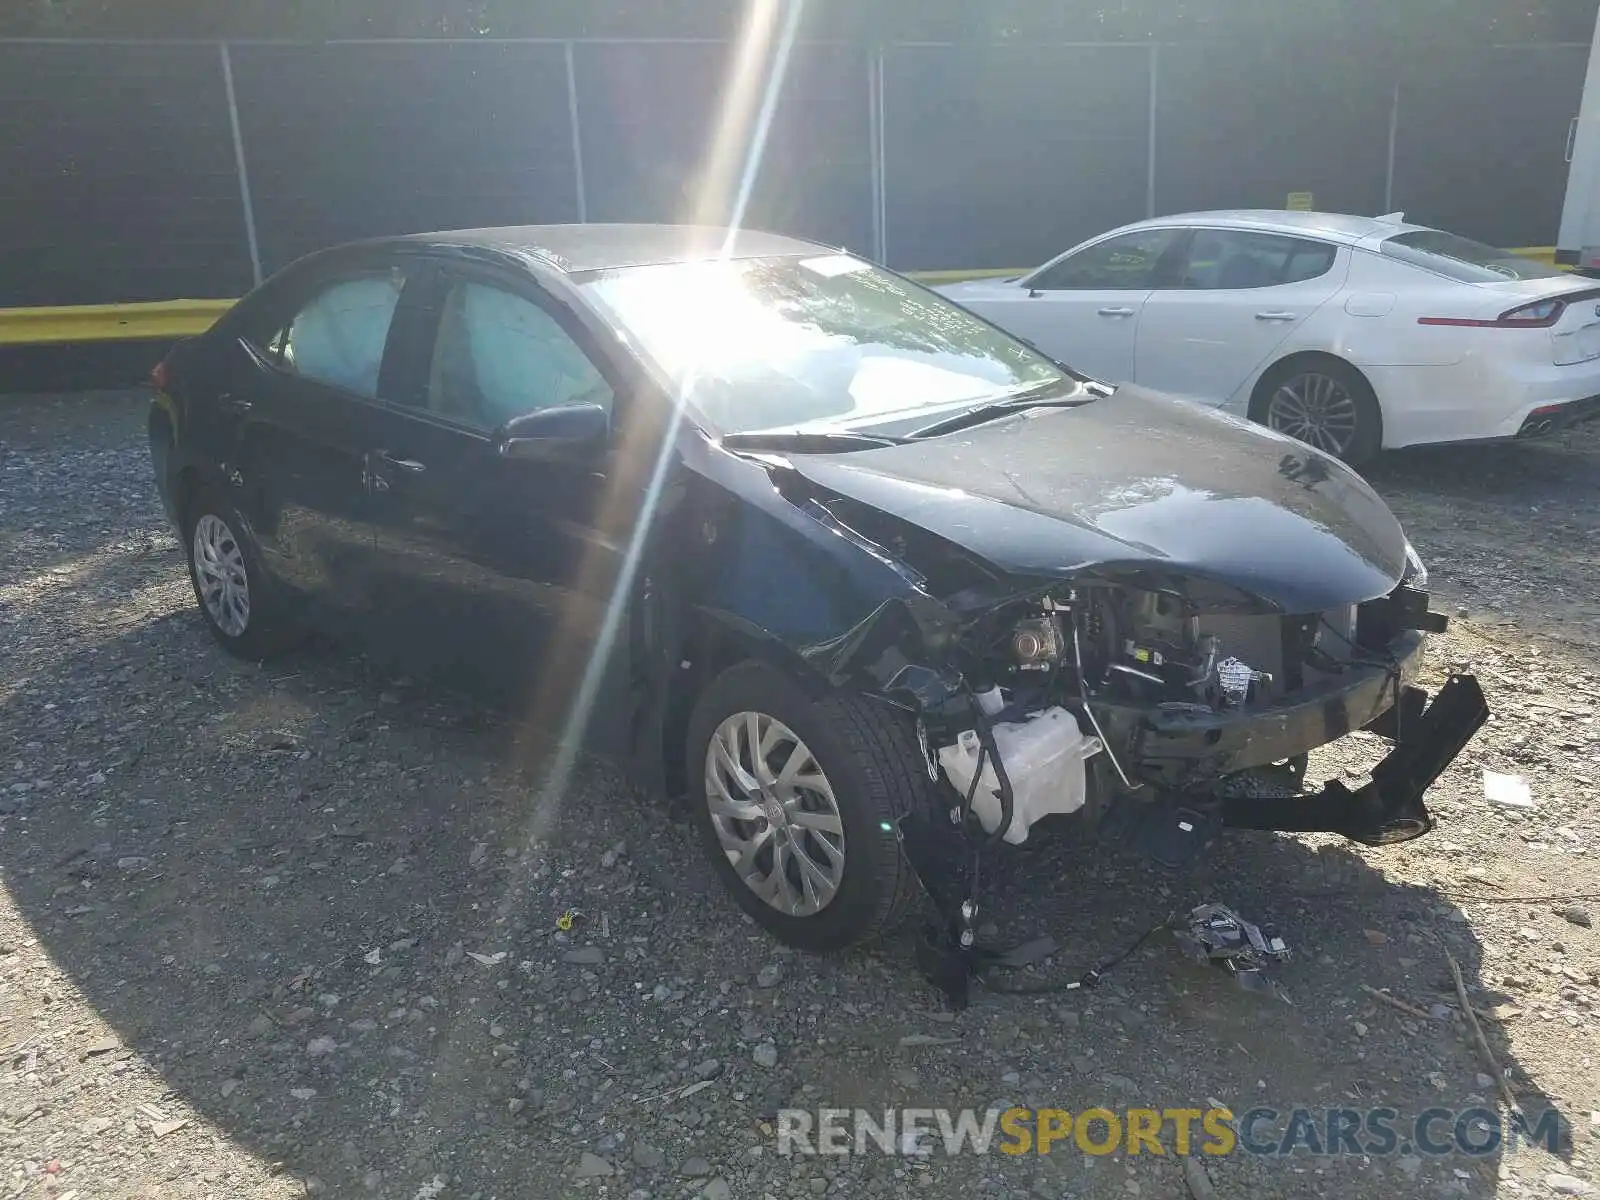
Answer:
(859, 771)
(1324, 402)
(235, 596)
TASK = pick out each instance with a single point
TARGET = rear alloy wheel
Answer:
(796, 802)
(222, 580)
(1325, 404)
(234, 597)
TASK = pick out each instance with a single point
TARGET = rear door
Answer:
(299, 400)
(1084, 309)
(494, 565)
(1237, 297)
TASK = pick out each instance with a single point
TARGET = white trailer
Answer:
(1578, 244)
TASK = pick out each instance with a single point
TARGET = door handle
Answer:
(1277, 316)
(401, 464)
(1116, 312)
(1572, 138)
(232, 404)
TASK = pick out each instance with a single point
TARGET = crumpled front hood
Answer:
(1139, 480)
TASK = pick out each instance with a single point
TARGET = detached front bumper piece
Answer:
(1390, 808)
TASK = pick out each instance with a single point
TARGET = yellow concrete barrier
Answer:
(937, 277)
(158, 320)
(1544, 254)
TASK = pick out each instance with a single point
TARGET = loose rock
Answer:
(592, 1166)
(709, 1069)
(646, 1157)
(1566, 1185)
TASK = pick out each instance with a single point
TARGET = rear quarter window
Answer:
(1462, 259)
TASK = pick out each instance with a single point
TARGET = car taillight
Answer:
(1541, 314)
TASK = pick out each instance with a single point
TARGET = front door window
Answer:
(499, 355)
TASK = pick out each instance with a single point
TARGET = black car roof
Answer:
(576, 248)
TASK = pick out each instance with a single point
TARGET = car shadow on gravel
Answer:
(315, 901)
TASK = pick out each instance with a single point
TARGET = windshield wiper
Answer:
(996, 409)
(808, 441)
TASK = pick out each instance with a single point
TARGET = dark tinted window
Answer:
(1124, 263)
(1235, 259)
(500, 355)
(339, 336)
(1462, 258)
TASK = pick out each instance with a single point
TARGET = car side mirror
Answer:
(555, 433)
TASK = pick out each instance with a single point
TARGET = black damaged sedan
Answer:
(869, 582)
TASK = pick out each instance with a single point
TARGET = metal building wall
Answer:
(1002, 156)
(143, 171)
(649, 115)
(351, 141)
(1237, 129)
(1481, 143)
(117, 177)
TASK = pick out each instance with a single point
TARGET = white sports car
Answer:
(1354, 334)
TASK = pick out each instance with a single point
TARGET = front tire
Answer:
(796, 801)
(1324, 402)
(235, 596)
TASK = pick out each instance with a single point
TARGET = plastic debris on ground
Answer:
(1216, 935)
(1507, 791)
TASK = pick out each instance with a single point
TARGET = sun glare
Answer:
(758, 67)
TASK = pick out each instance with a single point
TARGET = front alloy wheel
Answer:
(796, 799)
(775, 813)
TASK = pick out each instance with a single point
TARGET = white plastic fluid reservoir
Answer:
(1044, 758)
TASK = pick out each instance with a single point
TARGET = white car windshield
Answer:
(1463, 259)
(829, 341)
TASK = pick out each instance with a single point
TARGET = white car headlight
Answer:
(1416, 573)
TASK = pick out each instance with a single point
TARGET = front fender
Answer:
(756, 574)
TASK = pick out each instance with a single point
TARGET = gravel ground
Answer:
(295, 930)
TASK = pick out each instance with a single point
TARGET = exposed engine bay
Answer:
(1161, 723)
(1099, 655)
(1159, 707)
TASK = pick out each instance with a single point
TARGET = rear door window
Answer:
(338, 337)
(1239, 259)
